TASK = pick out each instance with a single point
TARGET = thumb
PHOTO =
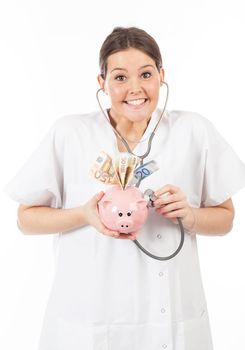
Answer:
(97, 197)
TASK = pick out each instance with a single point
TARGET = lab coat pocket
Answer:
(197, 333)
(140, 336)
(77, 336)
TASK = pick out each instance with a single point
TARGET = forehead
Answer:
(129, 58)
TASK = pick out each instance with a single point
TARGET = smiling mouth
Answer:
(137, 102)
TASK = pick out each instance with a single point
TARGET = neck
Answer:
(131, 131)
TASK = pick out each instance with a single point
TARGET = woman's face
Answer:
(132, 83)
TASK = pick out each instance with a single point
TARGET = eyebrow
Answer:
(146, 65)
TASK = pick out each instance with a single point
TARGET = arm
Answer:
(215, 220)
(41, 219)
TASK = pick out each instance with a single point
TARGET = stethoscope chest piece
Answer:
(150, 197)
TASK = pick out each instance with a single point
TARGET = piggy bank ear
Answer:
(139, 205)
(106, 203)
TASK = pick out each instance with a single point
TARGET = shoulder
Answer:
(75, 123)
(189, 121)
(197, 127)
(187, 118)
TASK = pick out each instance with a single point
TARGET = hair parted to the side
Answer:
(122, 38)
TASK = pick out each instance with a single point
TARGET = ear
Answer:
(162, 74)
(101, 82)
(138, 205)
(106, 204)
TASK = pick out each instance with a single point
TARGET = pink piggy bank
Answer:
(124, 211)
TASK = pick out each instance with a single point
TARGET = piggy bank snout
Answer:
(125, 225)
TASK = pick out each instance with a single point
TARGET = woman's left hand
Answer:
(172, 203)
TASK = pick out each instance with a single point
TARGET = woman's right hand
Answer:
(92, 218)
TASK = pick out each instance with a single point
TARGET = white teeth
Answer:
(136, 102)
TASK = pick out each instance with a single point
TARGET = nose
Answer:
(135, 87)
(124, 225)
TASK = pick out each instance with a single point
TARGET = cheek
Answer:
(153, 91)
(116, 94)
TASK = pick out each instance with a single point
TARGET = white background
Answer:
(48, 68)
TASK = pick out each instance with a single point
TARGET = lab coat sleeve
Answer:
(40, 180)
(224, 172)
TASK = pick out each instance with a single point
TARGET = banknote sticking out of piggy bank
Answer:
(124, 211)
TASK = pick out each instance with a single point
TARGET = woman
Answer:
(106, 293)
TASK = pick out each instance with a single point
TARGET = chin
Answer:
(137, 114)
(138, 118)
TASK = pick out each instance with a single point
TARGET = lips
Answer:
(136, 106)
(136, 102)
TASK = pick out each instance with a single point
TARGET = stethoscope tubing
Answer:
(142, 157)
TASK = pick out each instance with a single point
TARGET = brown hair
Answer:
(123, 38)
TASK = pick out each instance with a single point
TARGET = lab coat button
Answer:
(163, 310)
(161, 273)
(164, 346)
(159, 236)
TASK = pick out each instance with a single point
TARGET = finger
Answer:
(130, 236)
(173, 206)
(107, 232)
(115, 234)
(98, 196)
(166, 188)
(174, 221)
(103, 229)
(168, 199)
(111, 233)
(175, 214)
(164, 200)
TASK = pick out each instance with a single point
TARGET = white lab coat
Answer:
(107, 294)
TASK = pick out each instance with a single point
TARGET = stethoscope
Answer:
(149, 193)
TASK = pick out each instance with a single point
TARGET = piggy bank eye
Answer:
(120, 214)
(129, 213)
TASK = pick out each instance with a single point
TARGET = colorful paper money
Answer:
(124, 170)
(144, 171)
(103, 170)
(124, 166)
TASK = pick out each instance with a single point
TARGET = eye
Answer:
(120, 214)
(149, 74)
(120, 76)
(129, 213)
